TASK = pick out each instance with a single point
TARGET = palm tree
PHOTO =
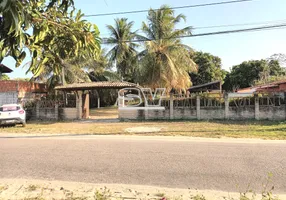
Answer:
(123, 53)
(165, 62)
(79, 70)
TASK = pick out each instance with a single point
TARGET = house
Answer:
(14, 91)
(274, 87)
(211, 87)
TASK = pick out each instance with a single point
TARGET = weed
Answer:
(159, 194)
(198, 197)
(32, 188)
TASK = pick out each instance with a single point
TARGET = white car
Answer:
(12, 114)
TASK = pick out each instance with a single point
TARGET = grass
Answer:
(209, 129)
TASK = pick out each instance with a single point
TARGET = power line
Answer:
(271, 27)
(227, 25)
(173, 8)
(241, 24)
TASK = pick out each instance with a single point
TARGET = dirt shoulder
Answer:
(44, 190)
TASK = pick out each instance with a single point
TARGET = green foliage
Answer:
(249, 72)
(165, 62)
(57, 34)
(209, 68)
(4, 77)
(122, 53)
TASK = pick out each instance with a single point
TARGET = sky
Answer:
(233, 49)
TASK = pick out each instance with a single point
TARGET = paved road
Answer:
(180, 163)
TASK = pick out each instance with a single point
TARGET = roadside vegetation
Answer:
(209, 129)
(65, 48)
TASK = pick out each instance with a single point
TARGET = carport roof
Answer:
(97, 85)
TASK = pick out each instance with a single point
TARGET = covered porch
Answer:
(82, 91)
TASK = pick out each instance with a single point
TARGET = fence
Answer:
(270, 107)
(50, 110)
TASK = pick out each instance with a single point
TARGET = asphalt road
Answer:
(177, 163)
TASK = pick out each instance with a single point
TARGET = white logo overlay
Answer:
(141, 98)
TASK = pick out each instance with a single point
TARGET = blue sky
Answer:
(232, 49)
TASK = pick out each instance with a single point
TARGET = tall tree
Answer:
(249, 72)
(123, 53)
(57, 35)
(209, 68)
(165, 62)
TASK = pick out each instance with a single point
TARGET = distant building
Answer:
(211, 87)
(274, 87)
(4, 70)
(13, 91)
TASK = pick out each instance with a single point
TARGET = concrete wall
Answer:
(255, 111)
(272, 113)
(67, 113)
(241, 113)
(47, 113)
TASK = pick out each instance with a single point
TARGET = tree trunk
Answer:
(63, 76)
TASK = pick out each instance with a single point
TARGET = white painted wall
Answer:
(8, 97)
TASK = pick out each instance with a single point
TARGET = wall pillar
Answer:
(256, 107)
(226, 107)
(198, 107)
(57, 111)
(37, 109)
(285, 104)
(79, 104)
(171, 106)
(98, 102)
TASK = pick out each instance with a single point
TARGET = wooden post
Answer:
(79, 104)
(85, 106)
(198, 106)
(171, 106)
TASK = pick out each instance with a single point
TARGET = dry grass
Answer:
(211, 129)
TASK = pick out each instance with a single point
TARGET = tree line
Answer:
(64, 48)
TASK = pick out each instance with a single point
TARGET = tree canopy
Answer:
(166, 61)
(49, 30)
(123, 54)
(209, 68)
(249, 72)
(4, 77)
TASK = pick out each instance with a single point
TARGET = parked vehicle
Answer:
(12, 114)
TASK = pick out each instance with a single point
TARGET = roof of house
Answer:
(4, 69)
(206, 86)
(262, 87)
(97, 85)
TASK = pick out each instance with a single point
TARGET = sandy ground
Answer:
(44, 190)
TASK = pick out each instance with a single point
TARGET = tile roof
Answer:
(97, 85)
(4, 69)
